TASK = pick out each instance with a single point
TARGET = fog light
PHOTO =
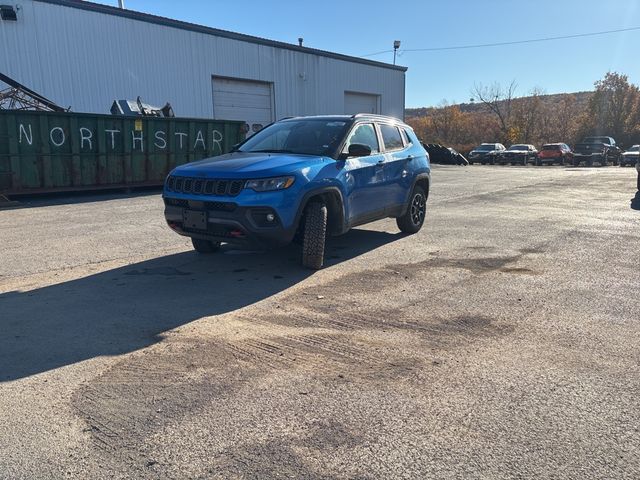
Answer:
(270, 217)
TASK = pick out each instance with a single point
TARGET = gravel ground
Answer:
(502, 341)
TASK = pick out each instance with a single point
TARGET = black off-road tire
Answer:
(413, 218)
(205, 246)
(315, 232)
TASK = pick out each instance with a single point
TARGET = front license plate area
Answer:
(194, 220)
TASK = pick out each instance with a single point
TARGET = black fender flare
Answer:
(419, 177)
(339, 224)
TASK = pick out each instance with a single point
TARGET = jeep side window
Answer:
(364, 134)
(391, 137)
(406, 137)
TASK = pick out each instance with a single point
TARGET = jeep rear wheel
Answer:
(315, 231)
(413, 218)
(205, 246)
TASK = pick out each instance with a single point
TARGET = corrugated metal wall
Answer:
(86, 59)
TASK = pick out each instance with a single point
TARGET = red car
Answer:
(554, 152)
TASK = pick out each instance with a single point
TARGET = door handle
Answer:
(380, 162)
(410, 157)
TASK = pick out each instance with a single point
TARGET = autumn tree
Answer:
(422, 126)
(526, 122)
(566, 119)
(449, 124)
(613, 109)
(499, 101)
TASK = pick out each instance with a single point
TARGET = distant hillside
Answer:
(581, 99)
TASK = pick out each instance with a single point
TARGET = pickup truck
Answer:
(596, 149)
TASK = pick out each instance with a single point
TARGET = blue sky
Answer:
(357, 27)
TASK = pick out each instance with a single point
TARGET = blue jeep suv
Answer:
(302, 178)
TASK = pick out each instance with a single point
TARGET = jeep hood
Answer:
(255, 164)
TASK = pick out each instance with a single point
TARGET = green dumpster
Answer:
(57, 152)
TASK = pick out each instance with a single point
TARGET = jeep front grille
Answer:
(202, 186)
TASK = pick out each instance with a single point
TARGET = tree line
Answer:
(498, 115)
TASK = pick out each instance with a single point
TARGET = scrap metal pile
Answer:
(18, 97)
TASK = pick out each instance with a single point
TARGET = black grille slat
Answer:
(236, 187)
(221, 187)
(220, 206)
(199, 186)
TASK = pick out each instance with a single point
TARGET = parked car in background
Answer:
(559, 153)
(596, 149)
(485, 153)
(521, 154)
(630, 157)
(444, 155)
(304, 178)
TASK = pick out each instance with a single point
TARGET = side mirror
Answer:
(234, 148)
(359, 150)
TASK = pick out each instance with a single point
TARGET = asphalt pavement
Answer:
(502, 341)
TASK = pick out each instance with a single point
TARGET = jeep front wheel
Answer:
(205, 246)
(413, 218)
(315, 231)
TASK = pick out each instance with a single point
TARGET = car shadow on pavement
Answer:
(128, 308)
(71, 198)
(635, 201)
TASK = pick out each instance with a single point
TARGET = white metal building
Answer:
(86, 55)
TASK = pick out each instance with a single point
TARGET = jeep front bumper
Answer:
(252, 226)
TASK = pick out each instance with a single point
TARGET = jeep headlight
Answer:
(269, 184)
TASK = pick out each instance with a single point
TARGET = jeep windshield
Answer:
(299, 137)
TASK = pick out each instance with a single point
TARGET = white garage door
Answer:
(355, 102)
(245, 100)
